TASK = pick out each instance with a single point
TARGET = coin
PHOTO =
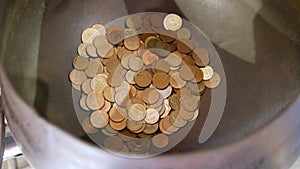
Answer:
(129, 32)
(95, 100)
(99, 41)
(162, 127)
(115, 115)
(113, 143)
(160, 140)
(148, 57)
(82, 103)
(99, 119)
(106, 106)
(134, 21)
(187, 59)
(200, 55)
(161, 80)
(189, 104)
(162, 49)
(147, 22)
(143, 78)
(135, 64)
(151, 41)
(115, 36)
(208, 72)
(127, 135)
(176, 81)
(75, 86)
(137, 112)
(186, 72)
(122, 97)
(151, 128)
(198, 75)
(132, 42)
(85, 86)
(165, 92)
(81, 50)
(150, 95)
(77, 77)
(130, 77)
(125, 60)
(172, 22)
(174, 102)
(152, 116)
(87, 126)
(134, 125)
(174, 59)
(183, 33)
(214, 81)
(105, 50)
(109, 129)
(99, 82)
(162, 65)
(184, 45)
(124, 150)
(118, 125)
(100, 28)
(91, 50)
(105, 132)
(93, 68)
(167, 35)
(177, 121)
(156, 20)
(139, 145)
(109, 93)
(186, 115)
(123, 86)
(89, 34)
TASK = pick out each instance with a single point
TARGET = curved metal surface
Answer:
(2, 129)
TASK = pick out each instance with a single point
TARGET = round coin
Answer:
(118, 125)
(176, 81)
(89, 34)
(122, 97)
(151, 128)
(99, 82)
(99, 119)
(152, 116)
(160, 140)
(143, 78)
(80, 63)
(134, 21)
(132, 42)
(95, 100)
(161, 80)
(87, 126)
(214, 81)
(77, 77)
(135, 64)
(137, 112)
(183, 33)
(113, 143)
(200, 55)
(208, 72)
(172, 22)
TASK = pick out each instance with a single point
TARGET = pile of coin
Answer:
(141, 82)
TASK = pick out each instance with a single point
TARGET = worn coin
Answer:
(172, 22)
(160, 140)
(208, 72)
(135, 64)
(174, 59)
(118, 125)
(99, 119)
(137, 112)
(152, 116)
(183, 33)
(134, 21)
(200, 55)
(87, 126)
(81, 50)
(82, 103)
(214, 81)
(95, 100)
(122, 97)
(89, 34)
(99, 82)
(161, 80)
(176, 81)
(113, 143)
(132, 42)
(77, 77)
(143, 78)
(151, 128)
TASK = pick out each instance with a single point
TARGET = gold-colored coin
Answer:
(125, 60)
(184, 45)
(187, 72)
(165, 92)
(113, 143)
(106, 107)
(109, 94)
(134, 21)
(151, 128)
(198, 75)
(150, 95)
(130, 77)
(189, 104)
(100, 28)
(122, 97)
(134, 126)
(186, 115)
(187, 59)
(99, 41)
(151, 42)
(156, 20)
(89, 34)
(148, 57)
(214, 81)
(115, 115)
(143, 78)
(152, 116)
(82, 103)
(166, 111)
(105, 50)
(132, 42)
(99, 82)
(183, 33)
(91, 50)
(94, 67)
(75, 86)
(176, 120)
(123, 86)
(200, 55)
(160, 141)
(162, 127)
(172, 22)
(130, 32)
(127, 135)
(99, 119)
(115, 36)
(147, 23)
(118, 125)
(161, 65)
(176, 81)
(95, 100)
(86, 86)
(87, 126)
(208, 72)
(137, 112)
(174, 102)
(174, 59)
(81, 50)
(161, 80)
(167, 35)
(135, 64)
(77, 77)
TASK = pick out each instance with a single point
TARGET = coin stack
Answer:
(141, 82)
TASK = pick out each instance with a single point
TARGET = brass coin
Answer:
(156, 20)
(148, 57)
(113, 143)
(99, 82)
(173, 46)
(100, 28)
(214, 81)
(151, 128)
(162, 65)
(99, 41)
(195, 115)
(208, 72)
(160, 141)
(87, 126)
(122, 97)
(152, 116)
(127, 135)
(95, 100)
(99, 119)
(147, 23)
(109, 94)
(114, 27)
(130, 32)
(135, 64)
(167, 35)
(176, 81)
(150, 95)
(189, 104)
(183, 33)
(174, 59)
(134, 21)
(91, 50)
(137, 112)
(89, 34)
(93, 68)
(77, 77)
(105, 132)
(81, 50)
(174, 102)
(106, 106)
(115, 36)
(132, 42)
(123, 52)
(200, 55)
(168, 127)
(117, 77)
(109, 129)
(162, 127)
(161, 48)
(130, 77)
(115, 115)
(184, 45)
(86, 86)
(187, 59)
(172, 22)
(144, 135)
(161, 80)
(82, 103)
(134, 125)
(187, 72)
(176, 120)
(112, 64)
(198, 75)
(141, 129)
(80, 63)
(158, 103)
(165, 92)
(118, 125)
(143, 78)
(125, 60)
(105, 50)
(186, 115)
(166, 111)
(139, 145)
(151, 42)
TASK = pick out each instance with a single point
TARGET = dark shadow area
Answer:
(41, 98)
